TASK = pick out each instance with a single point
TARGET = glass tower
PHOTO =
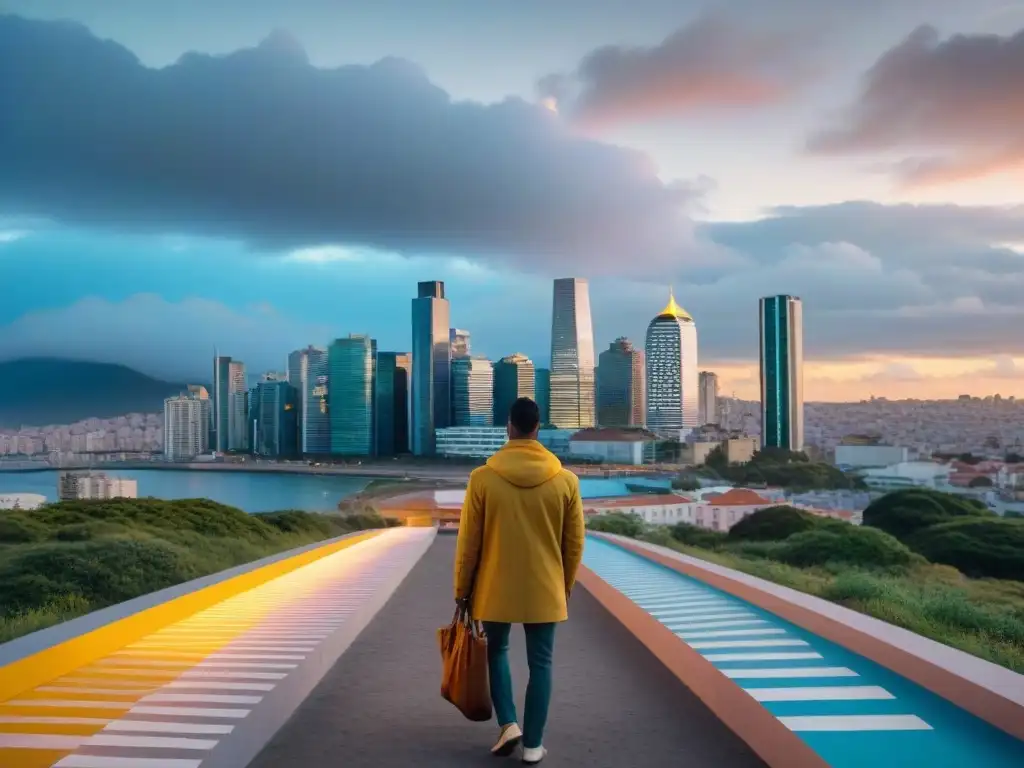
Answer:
(672, 374)
(572, 355)
(298, 377)
(238, 407)
(514, 377)
(431, 366)
(542, 391)
(460, 343)
(316, 418)
(708, 398)
(782, 372)
(274, 414)
(472, 392)
(352, 368)
(392, 396)
(219, 422)
(621, 395)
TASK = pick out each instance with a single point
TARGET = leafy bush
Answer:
(903, 513)
(776, 524)
(19, 528)
(978, 546)
(694, 536)
(849, 544)
(619, 523)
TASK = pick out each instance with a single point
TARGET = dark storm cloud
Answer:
(263, 146)
(712, 62)
(959, 102)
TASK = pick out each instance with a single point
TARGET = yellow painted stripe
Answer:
(23, 675)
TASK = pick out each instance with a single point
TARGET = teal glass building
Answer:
(542, 394)
(274, 419)
(392, 402)
(514, 377)
(352, 374)
(782, 363)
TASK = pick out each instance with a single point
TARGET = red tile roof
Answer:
(738, 497)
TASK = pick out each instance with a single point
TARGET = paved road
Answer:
(614, 706)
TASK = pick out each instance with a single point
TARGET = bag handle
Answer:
(462, 616)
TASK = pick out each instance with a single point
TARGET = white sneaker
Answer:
(533, 755)
(507, 741)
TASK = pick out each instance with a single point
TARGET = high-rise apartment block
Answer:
(316, 418)
(299, 363)
(472, 392)
(230, 405)
(392, 402)
(273, 416)
(459, 341)
(622, 397)
(672, 373)
(782, 363)
(708, 406)
(431, 366)
(572, 355)
(352, 372)
(514, 377)
(186, 424)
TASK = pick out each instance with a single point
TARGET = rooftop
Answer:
(738, 497)
(613, 435)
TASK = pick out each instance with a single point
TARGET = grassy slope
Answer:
(68, 559)
(983, 617)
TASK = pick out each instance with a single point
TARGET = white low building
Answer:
(661, 509)
(613, 446)
(864, 456)
(908, 474)
(21, 500)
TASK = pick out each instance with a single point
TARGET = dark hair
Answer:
(524, 416)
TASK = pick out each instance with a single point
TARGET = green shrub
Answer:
(19, 528)
(621, 523)
(978, 546)
(850, 544)
(777, 523)
(903, 513)
(694, 536)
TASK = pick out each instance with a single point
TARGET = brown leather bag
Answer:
(464, 680)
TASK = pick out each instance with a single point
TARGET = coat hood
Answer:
(525, 463)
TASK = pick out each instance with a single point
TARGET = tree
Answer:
(978, 546)
(776, 524)
(903, 513)
(716, 459)
(980, 482)
(686, 483)
(844, 543)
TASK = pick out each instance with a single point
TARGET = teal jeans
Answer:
(540, 646)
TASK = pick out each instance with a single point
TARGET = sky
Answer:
(253, 176)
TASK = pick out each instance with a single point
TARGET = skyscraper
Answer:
(514, 377)
(352, 370)
(782, 372)
(221, 388)
(459, 341)
(198, 392)
(238, 407)
(472, 392)
(298, 377)
(572, 355)
(542, 394)
(431, 366)
(392, 402)
(316, 418)
(273, 415)
(185, 425)
(672, 375)
(708, 398)
(622, 397)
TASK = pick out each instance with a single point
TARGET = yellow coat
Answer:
(520, 536)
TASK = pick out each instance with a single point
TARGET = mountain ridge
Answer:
(47, 391)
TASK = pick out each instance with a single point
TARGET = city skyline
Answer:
(903, 238)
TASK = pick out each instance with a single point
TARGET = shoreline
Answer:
(374, 472)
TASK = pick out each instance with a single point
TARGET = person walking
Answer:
(520, 545)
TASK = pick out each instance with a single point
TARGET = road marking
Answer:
(855, 723)
(822, 693)
(156, 726)
(788, 672)
(199, 698)
(97, 761)
(675, 626)
(780, 642)
(761, 656)
(731, 633)
(231, 714)
(40, 741)
(150, 742)
(219, 685)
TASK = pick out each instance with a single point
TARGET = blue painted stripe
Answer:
(850, 710)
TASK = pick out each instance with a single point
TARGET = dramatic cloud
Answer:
(957, 104)
(161, 338)
(263, 146)
(713, 62)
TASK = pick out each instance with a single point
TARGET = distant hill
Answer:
(42, 391)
